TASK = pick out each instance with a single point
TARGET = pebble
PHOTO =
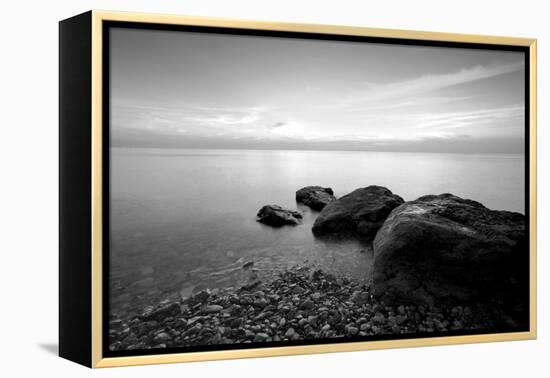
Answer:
(212, 308)
(401, 310)
(289, 333)
(312, 320)
(115, 324)
(353, 330)
(296, 305)
(378, 318)
(260, 337)
(163, 336)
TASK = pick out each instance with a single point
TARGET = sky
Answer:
(196, 90)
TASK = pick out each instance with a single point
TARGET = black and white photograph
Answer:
(291, 190)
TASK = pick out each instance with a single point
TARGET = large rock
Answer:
(444, 249)
(277, 216)
(316, 197)
(361, 212)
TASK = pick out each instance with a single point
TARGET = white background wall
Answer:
(28, 210)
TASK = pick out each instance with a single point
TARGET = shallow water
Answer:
(182, 220)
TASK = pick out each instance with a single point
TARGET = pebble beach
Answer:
(302, 303)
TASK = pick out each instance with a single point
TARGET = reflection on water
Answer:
(182, 220)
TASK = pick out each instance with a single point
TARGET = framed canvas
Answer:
(234, 189)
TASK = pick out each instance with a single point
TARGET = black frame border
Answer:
(75, 194)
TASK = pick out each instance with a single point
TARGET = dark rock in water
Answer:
(360, 297)
(277, 216)
(316, 197)
(316, 275)
(360, 212)
(442, 248)
(161, 312)
(199, 297)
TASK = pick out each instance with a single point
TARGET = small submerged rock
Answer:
(277, 216)
(251, 285)
(316, 197)
(160, 312)
(200, 297)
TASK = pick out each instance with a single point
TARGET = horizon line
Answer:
(318, 150)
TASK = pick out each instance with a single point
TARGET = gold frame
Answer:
(99, 16)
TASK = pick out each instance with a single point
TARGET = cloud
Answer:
(227, 119)
(370, 84)
(293, 129)
(228, 115)
(410, 103)
(482, 117)
(429, 83)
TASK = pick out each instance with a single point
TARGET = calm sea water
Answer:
(183, 220)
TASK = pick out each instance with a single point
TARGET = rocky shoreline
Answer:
(435, 250)
(301, 304)
(441, 264)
